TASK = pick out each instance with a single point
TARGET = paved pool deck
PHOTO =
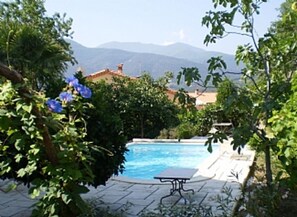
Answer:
(133, 197)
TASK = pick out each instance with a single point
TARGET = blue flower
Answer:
(72, 81)
(65, 96)
(78, 87)
(84, 91)
(54, 105)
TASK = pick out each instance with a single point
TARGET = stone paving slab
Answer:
(131, 198)
(13, 211)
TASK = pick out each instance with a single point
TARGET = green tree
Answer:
(56, 152)
(60, 151)
(233, 103)
(283, 120)
(196, 122)
(45, 148)
(105, 129)
(144, 106)
(284, 132)
(32, 43)
(268, 68)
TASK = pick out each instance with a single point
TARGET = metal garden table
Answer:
(177, 177)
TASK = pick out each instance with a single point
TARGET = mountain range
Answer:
(138, 58)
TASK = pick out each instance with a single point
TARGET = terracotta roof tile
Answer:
(104, 72)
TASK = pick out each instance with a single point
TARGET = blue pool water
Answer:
(144, 161)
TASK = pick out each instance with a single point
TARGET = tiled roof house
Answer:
(107, 75)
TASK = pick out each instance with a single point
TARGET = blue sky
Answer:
(159, 22)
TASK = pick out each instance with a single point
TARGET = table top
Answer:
(176, 173)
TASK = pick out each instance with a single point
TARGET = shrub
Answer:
(45, 144)
(186, 130)
(168, 133)
(105, 129)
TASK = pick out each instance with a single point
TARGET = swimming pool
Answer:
(145, 160)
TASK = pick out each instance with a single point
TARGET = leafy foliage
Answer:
(235, 105)
(105, 129)
(24, 158)
(269, 64)
(284, 131)
(48, 143)
(32, 43)
(88, 149)
(193, 123)
(143, 106)
(88, 144)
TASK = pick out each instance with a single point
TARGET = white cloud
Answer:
(181, 34)
(176, 36)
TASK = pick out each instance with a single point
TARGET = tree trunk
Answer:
(268, 165)
(142, 126)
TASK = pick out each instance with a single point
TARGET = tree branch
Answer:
(205, 87)
(232, 73)
(11, 75)
(237, 33)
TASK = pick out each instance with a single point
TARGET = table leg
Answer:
(172, 190)
(177, 186)
(181, 188)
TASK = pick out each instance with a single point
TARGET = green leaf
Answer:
(19, 106)
(66, 198)
(287, 153)
(52, 210)
(18, 144)
(35, 193)
(27, 108)
(18, 157)
(5, 122)
(209, 148)
(79, 189)
(269, 133)
(21, 172)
